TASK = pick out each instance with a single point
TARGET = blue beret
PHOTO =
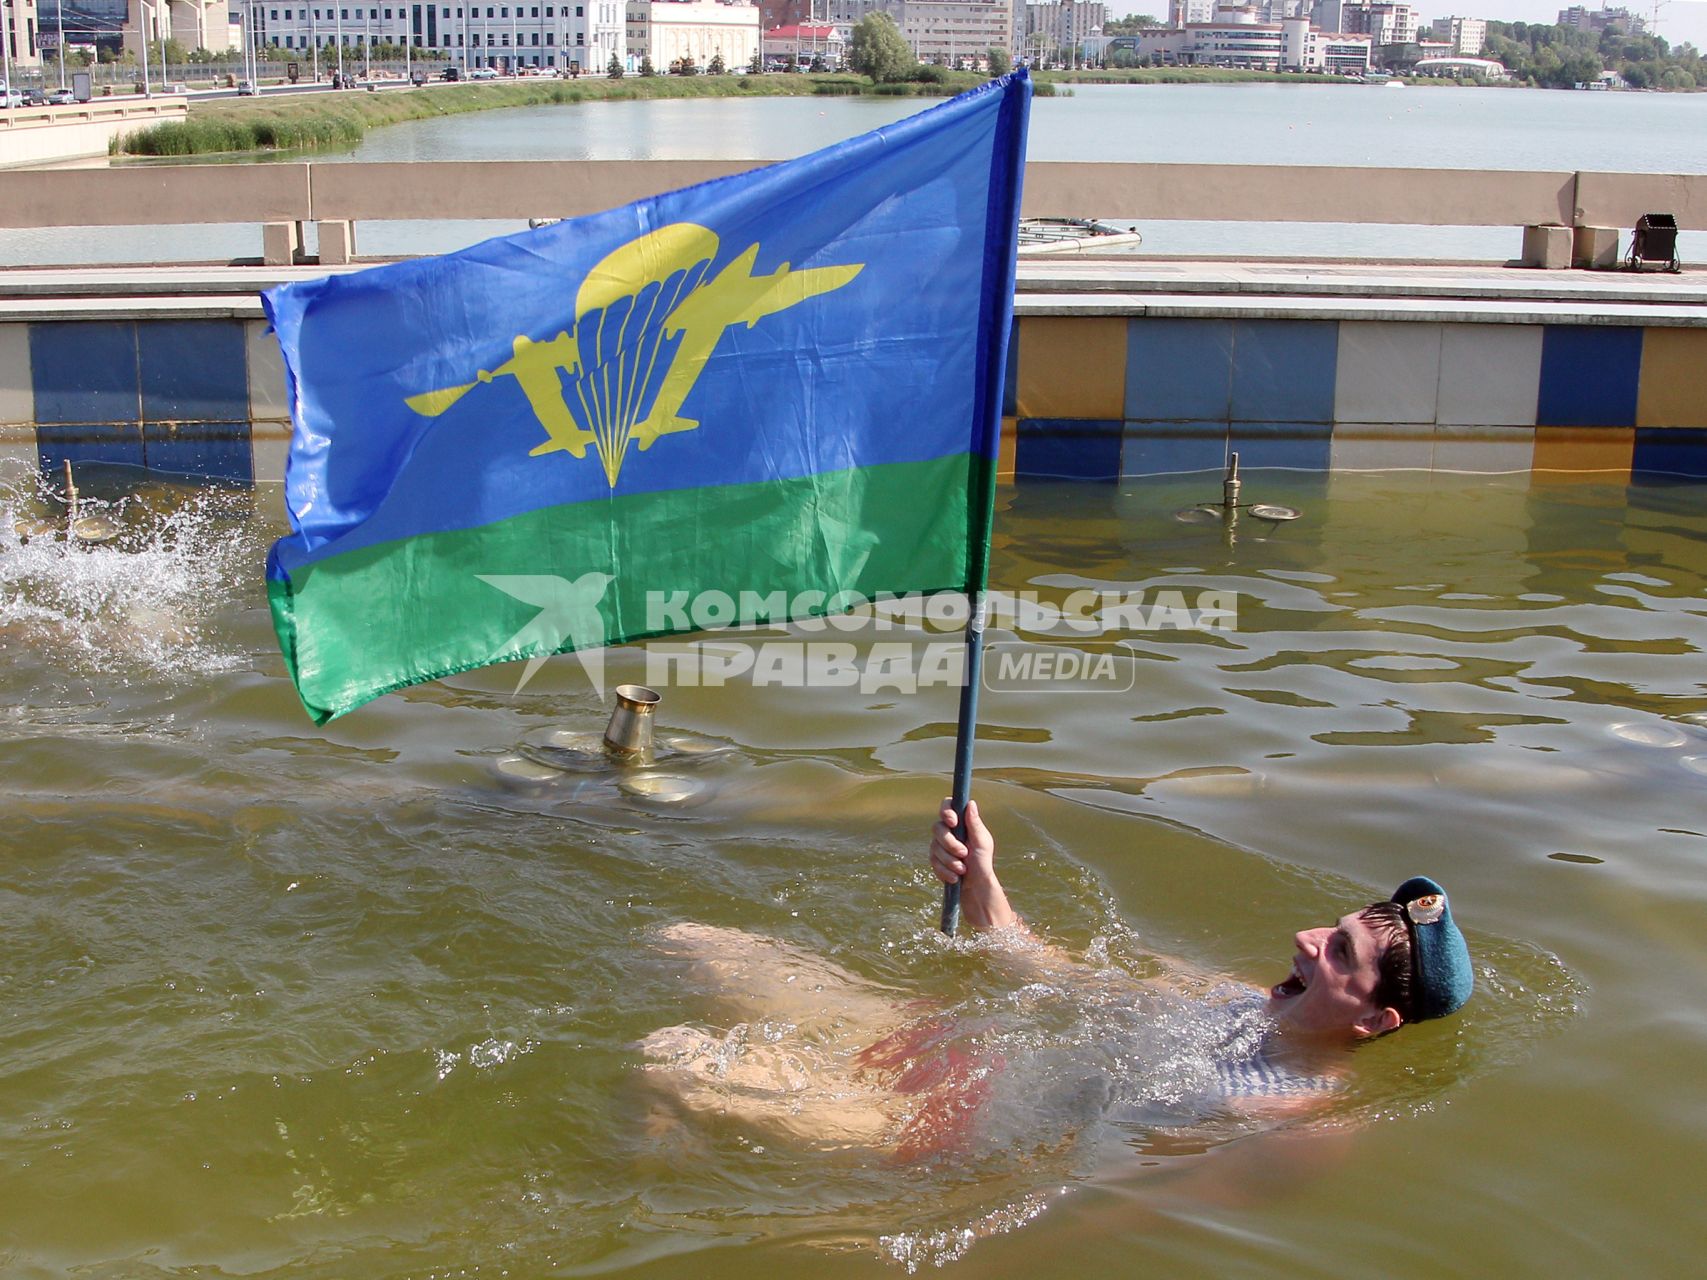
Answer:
(1441, 978)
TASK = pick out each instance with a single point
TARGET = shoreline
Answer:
(236, 126)
(341, 118)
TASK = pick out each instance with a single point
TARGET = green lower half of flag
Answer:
(357, 625)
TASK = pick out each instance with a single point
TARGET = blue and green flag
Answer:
(787, 380)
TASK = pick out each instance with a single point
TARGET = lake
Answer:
(1418, 126)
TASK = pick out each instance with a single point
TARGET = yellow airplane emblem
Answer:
(647, 318)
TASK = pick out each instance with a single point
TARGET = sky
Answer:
(1680, 20)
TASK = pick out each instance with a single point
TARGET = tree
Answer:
(757, 65)
(614, 68)
(646, 67)
(818, 63)
(716, 67)
(1129, 26)
(1001, 62)
(877, 49)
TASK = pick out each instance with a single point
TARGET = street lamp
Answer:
(6, 47)
(142, 12)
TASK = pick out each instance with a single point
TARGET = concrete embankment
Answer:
(1117, 370)
(44, 135)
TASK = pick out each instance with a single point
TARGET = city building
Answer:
(1620, 20)
(505, 37)
(1238, 39)
(19, 24)
(672, 31)
(1384, 23)
(1062, 26)
(943, 31)
(788, 13)
(194, 24)
(1467, 37)
(801, 44)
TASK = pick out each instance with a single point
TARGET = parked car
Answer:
(483, 73)
(35, 97)
(418, 78)
(61, 98)
(451, 73)
(11, 98)
(245, 88)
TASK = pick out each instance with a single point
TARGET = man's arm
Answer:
(984, 903)
(972, 862)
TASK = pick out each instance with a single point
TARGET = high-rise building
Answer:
(1384, 21)
(1586, 19)
(1467, 37)
(1063, 25)
(943, 30)
(19, 23)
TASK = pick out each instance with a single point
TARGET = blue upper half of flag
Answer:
(844, 309)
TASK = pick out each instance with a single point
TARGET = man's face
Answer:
(1332, 984)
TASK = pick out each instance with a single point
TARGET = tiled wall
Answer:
(175, 396)
(1097, 398)
(1088, 397)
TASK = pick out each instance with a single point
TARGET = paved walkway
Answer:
(1065, 286)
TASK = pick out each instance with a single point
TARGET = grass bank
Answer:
(303, 122)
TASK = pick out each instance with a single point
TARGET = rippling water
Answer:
(281, 1001)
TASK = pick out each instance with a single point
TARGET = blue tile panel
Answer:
(1067, 449)
(1163, 448)
(193, 371)
(165, 395)
(1179, 370)
(118, 444)
(1589, 376)
(210, 450)
(1674, 451)
(1299, 446)
(1284, 370)
(85, 372)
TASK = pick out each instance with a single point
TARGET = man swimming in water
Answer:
(829, 1059)
(1393, 962)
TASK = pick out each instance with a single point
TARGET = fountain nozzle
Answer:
(629, 734)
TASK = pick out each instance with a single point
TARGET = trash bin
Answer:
(1655, 241)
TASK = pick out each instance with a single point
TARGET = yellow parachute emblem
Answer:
(647, 318)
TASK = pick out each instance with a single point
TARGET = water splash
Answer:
(144, 603)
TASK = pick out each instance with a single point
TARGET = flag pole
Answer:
(981, 506)
(964, 738)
